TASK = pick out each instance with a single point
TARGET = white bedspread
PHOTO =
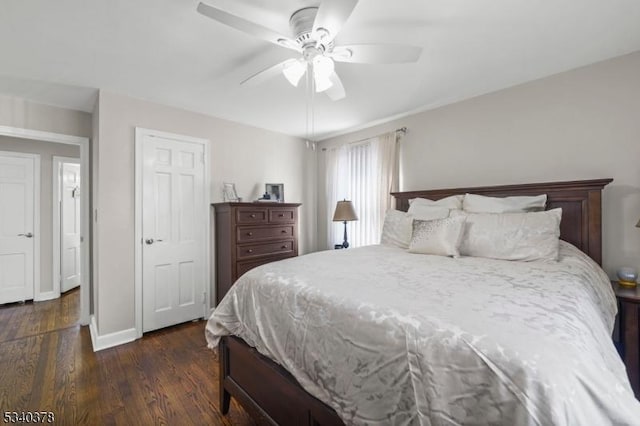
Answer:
(388, 337)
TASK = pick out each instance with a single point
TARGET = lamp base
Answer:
(345, 243)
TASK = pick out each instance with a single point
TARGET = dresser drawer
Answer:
(253, 250)
(282, 215)
(251, 215)
(243, 267)
(245, 234)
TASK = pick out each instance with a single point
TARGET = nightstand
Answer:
(629, 322)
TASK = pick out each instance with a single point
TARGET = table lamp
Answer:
(344, 213)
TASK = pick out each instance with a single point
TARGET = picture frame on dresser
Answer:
(229, 193)
(275, 191)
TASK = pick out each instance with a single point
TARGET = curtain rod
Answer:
(398, 130)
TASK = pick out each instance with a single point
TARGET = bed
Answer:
(471, 374)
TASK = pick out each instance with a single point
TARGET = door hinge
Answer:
(204, 297)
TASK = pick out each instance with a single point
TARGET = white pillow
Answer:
(439, 236)
(427, 212)
(397, 229)
(511, 236)
(482, 204)
(452, 202)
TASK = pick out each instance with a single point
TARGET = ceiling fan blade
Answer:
(336, 91)
(376, 53)
(331, 15)
(267, 73)
(248, 27)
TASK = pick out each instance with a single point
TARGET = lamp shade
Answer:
(344, 212)
(294, 70)
(322, 69)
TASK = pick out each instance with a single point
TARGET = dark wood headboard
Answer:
(581, 203)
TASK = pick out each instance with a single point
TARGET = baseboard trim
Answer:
(109, 340)
(47, 295)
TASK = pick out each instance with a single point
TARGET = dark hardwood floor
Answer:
(47, 364)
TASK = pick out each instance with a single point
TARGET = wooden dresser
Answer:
(249, 235)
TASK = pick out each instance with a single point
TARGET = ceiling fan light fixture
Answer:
(294, 71)
(323, 67)
(322, 84)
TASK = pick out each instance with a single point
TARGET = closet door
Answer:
(17, 211)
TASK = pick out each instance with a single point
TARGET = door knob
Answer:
(149, 241)
(28, 235)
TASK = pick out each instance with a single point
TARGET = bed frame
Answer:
(272, 396)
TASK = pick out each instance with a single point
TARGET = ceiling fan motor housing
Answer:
(301, 23)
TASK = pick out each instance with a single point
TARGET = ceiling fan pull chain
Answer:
(311, 101)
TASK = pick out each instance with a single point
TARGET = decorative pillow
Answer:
(397, 229)
(424, 212)
(439, 236)
(511, 236)
(481, 204)
(452, 202)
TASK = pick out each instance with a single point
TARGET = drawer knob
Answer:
(249, 233)
(250, 251)
(252, 215)
(284, 231)
(283, 247)
(281, 215)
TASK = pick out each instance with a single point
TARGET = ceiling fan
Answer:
(314, 30)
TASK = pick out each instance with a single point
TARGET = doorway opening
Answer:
(67, 233)
(80, 296)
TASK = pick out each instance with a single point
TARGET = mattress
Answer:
(388, 337)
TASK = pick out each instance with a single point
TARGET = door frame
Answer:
(37, 293)
(83, 143)
(140, 134)
(56, 163)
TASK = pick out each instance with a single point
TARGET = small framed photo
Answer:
(275, 191)
(229, 192)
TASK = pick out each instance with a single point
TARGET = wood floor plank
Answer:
(47, 363)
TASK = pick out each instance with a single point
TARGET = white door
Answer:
(173, 220)
(17, 208)
(70, 259)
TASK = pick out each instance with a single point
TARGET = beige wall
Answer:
(17, 112)
(581, 124)
(248, 156)
(47, 151)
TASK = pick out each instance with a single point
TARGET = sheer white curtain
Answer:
(364, 172)
(335, 189)
(386, 149)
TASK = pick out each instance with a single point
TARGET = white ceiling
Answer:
(59, 52)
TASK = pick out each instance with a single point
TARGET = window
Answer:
(364, 172)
